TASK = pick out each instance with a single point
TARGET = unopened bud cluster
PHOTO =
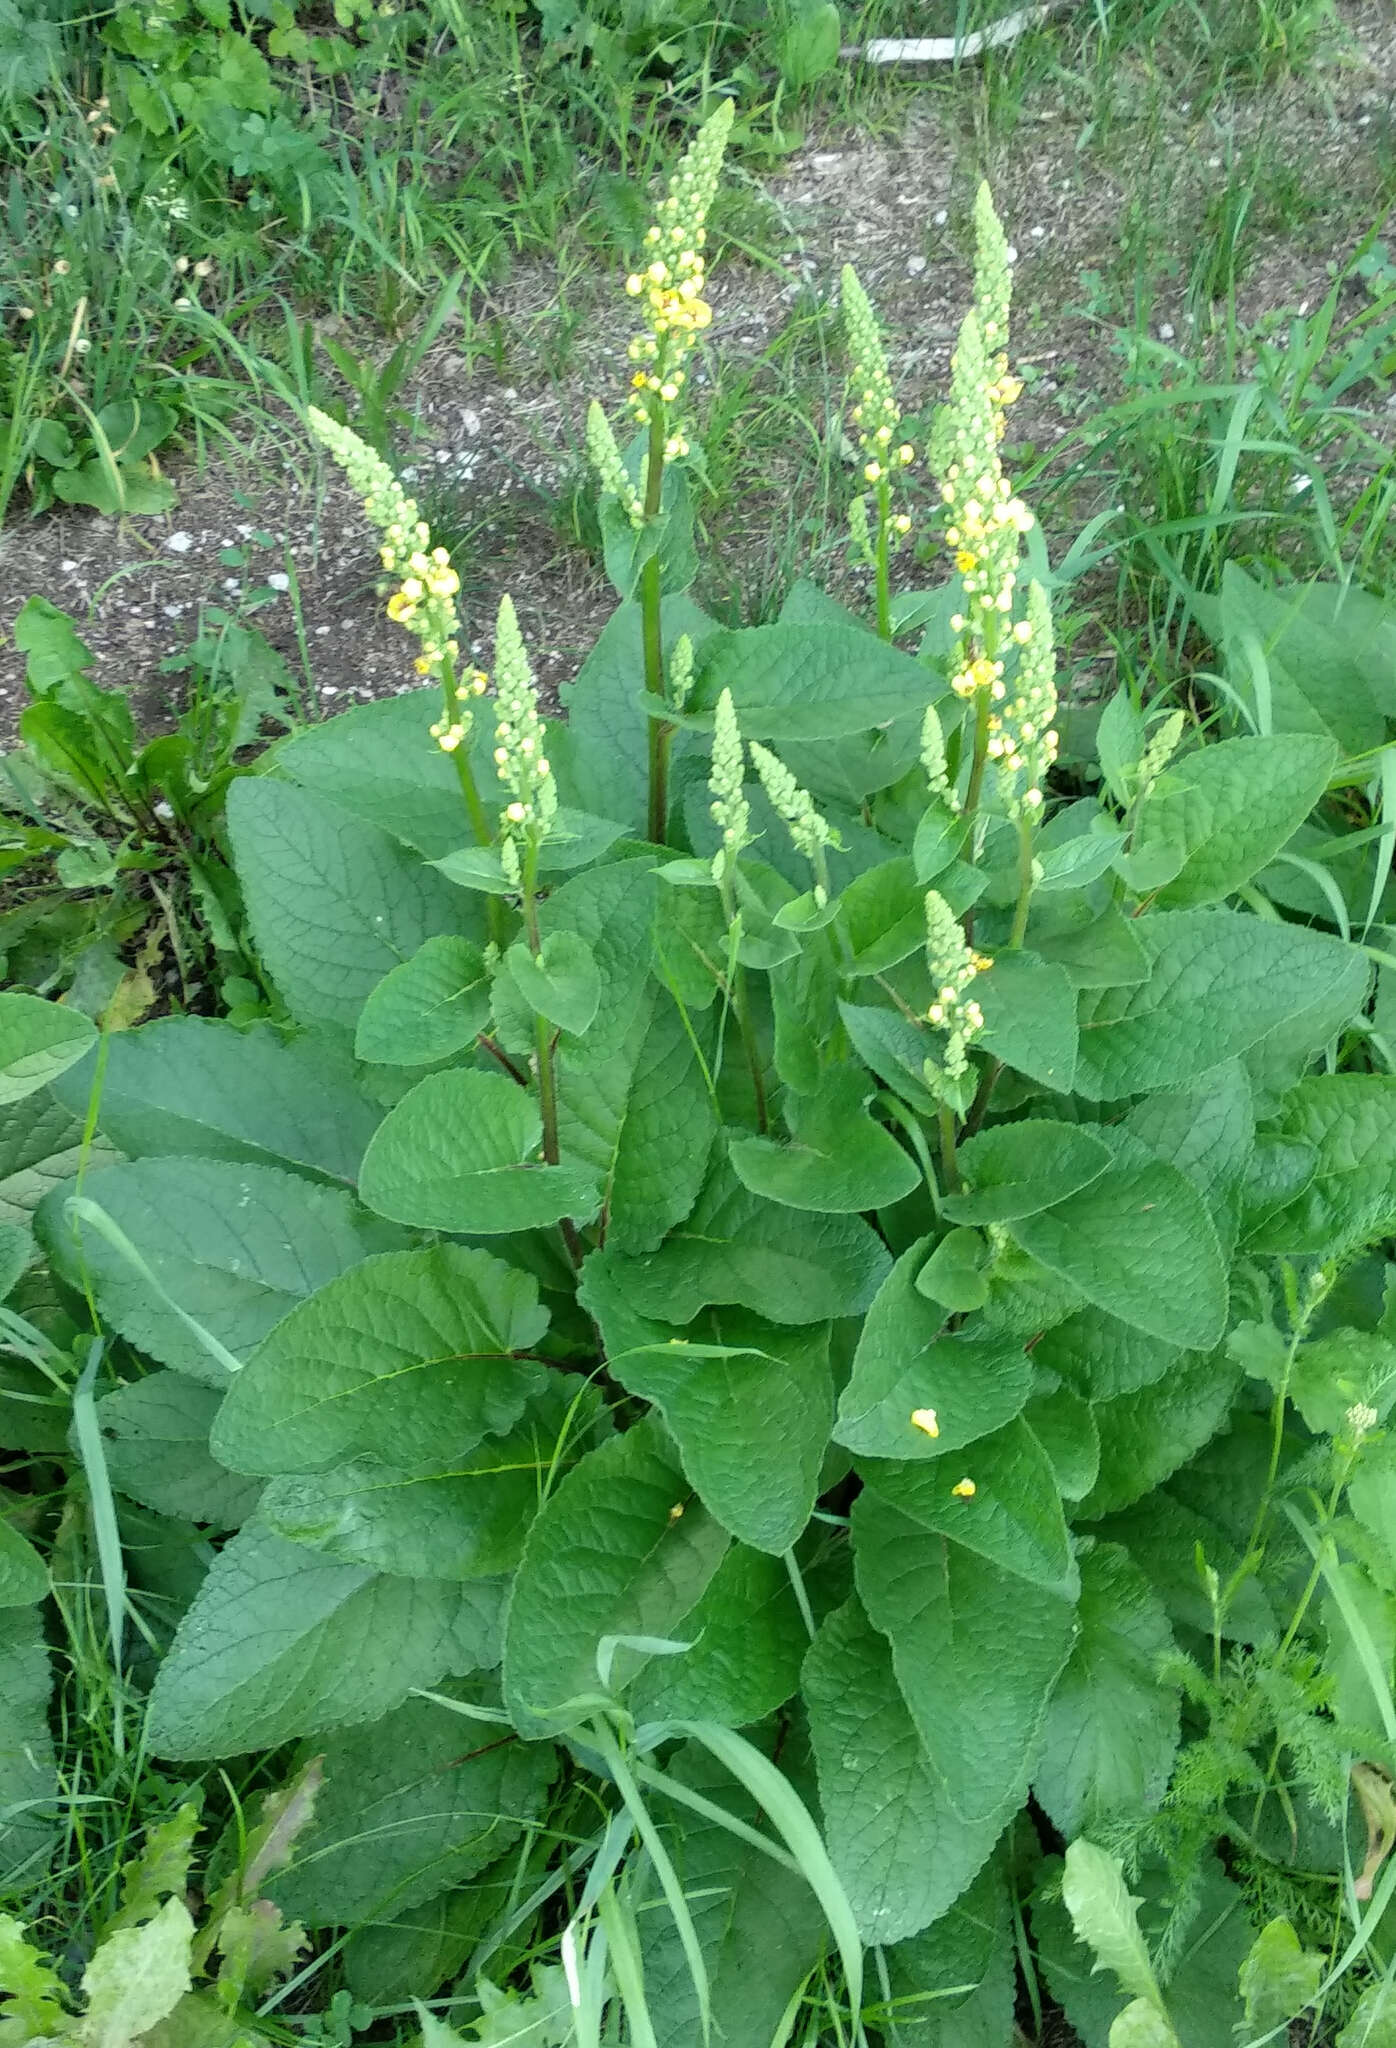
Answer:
(519, 758)
(611, 473)
(671, 284)
(875, 412)
(425, 599)
(1022, 737)
(809, 832)
(933, 759)
(954, 966)
(727, 775)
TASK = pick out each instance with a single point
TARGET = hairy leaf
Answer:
(1013, 1515)
(155, 1441)
(38, 1042)
(430, 1007)
(1228, 808)
(839, 1159)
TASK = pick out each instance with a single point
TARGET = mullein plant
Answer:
(669, 289)
(424, 600)
(886, 456)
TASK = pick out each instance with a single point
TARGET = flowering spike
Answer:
(809, 832)
(1022, 739)
(933, 758)
(729, 806)
(1160, 749)
(953, 966)
(606, 460)
(874, 411)
(993, 273)
(519, 759)
(424, 601)
(670, 284)
(680, 672)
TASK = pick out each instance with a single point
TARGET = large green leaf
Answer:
(332, 901)
(1139, 1243)
(1111, 1731)
(24, 1579)
(759, 1926)
(464, 1516)
(751, 1415)
(409, 1806)
(28, 1775)
(611, 908)
(409, 1351)
(1228, 808)
(838, 1160)
(1017, 1169)
(1350, 1198)
(40, 1145)
(791, 1265)
(902, 1854)
(1325, 650)
(975, 1662)
(644, 1123)
(38, 1042)
(1029, 1010)
(1101, 1357)
(1147, 1434)
(1220, 981)
(907, 1365)
(194, 1086)
(235, 1246)
(1208, 1133)
(378, 761)
(155, 1439)
(953, 1986)
(747, 1638)
(430, 1007)
(461, 1152)
(1165, 1539)
(621, 1550)
(1012, 1517)
(280, 1642)
(607, 720)
(810, 682)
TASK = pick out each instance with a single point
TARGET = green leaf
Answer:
(1350, 1122)
(1096, 952)
(1148, 1434)
(1120, 740)
(23, 1573)
(408, 1350)
(155, 1440)
(809, 682)
(38, 1041)
(745, 1906)
(32, 2005)
(191, 1085)
(136, 1977)
(1228, 808)
(562, 982)
(1373, 2020)
(280, 1642)
(377, 761)
(790, 1265)
(979, 1711)
(1029, 1009)
(904, 1365)
(463, 1515)
(748, 1639)
(839, 1161)
(1102, 1357)
(895, 1050)
(882, 916)
(1220, 981)
(1208, 1133)
(1017, 1169)
(751, 1415)
(1013, 1517)
(430, 1007)
(1111, 1731)
(1065, 1427)
(1141, 2025)
(1165, 1538)
(1324, 649)
(953, 1986)
(235, 1246)
(1339, 1371)
(333, 903)
(612, 909)
(955, 1275)
(1106, 1917)
(459, 1152)
(902, 1854)
(644, 1123)
(1278, 1978)
(607, 1558)
(410, 1805)
(1139, 1243)
(28, 1775)
(604, 759)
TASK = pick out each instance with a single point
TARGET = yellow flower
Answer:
(924, 1419)
(966, 1490)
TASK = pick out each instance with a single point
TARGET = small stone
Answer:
(321, 632)
(67, 565)
(915, 265)
(328, 690)
(173, 611)
(179, 543)
(470, 420)
(1167, 331)
(232, 583)
(279, 580)
(1037, 233)
(941, 216)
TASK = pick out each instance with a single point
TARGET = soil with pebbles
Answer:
(277, 540)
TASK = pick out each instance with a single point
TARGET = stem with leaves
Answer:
(651, 596)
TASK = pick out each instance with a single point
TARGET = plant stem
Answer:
(976, 770)
(475, 810)
(542, 1031)
(949, 1165)
(753, 1057)
(1020, 909)
(651, 594)
(884, 597)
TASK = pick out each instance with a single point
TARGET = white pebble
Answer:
(470, 420)
(279, 580)
(915, 265)
(180, 543)
(941, 216)
(1166, 331)
(67, 565)
(173, 611)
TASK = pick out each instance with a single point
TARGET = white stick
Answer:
(949, 49)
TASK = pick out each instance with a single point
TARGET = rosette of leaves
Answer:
(739, 1396)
